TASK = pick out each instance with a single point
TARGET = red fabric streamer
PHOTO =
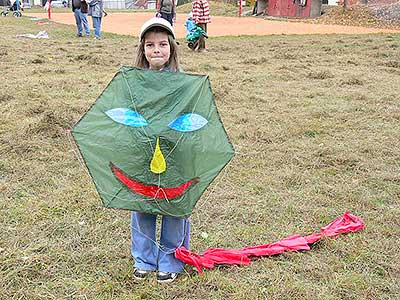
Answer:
(210, 257)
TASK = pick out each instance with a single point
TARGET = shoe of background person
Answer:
(79, 35)
(139, 274)
(166, 276)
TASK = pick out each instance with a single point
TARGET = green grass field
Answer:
(315, 123)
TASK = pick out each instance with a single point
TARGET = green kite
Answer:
(153, 141)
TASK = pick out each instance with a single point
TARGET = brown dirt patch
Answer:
(129, 23)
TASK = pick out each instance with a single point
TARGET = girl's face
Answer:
(156, 49)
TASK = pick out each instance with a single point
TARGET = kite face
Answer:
(153, 141)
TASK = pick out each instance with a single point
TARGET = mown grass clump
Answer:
(315, 124)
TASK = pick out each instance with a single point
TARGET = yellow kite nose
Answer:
(157, 164)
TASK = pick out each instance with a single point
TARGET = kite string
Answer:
(74, 147)
(179, 139)
(144, 200)
(173, 148)
(140, 232)
(204, 201)
(133, 99)
(78, 156)
(159, 246)
(152, 240)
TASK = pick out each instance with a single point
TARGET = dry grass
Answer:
(373, 15)
(314, 120)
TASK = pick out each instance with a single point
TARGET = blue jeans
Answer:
(148, 255)
(81, 19)
(97, 26)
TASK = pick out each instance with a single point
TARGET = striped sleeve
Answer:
(206, 8)
(201, 11)
(196, 10)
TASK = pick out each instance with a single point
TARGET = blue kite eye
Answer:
(127, 117)
(188, 122)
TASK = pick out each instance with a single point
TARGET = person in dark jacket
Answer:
(167, 10)
(80, 9)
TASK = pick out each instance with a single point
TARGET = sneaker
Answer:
(139, 274)
(79, 34)
(166, 276)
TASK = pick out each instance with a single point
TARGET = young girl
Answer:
(157, 51)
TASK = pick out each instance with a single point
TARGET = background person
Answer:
(201, 16)
(96, 12)
(80, 9)
(167, 10)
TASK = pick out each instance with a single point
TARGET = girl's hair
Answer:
(173, 62)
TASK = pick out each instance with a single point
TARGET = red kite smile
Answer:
(154, 191)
